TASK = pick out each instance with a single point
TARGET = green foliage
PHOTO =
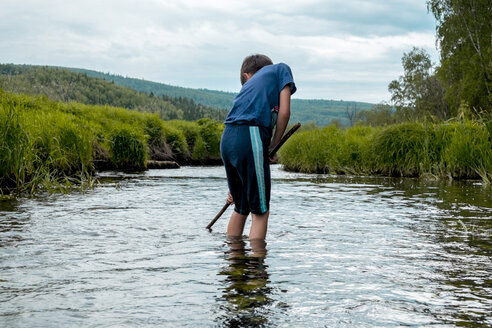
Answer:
(60, 142)
(176, 139)
(379, 115)
(324, 112)
(418, 93)
(457, 149)
(154, 129)
(194, 140)
(38, 147)
(169, 102)
(13, 146)
(64, 85)
(313, 151)
(306, 127)
(356, 149)
(469, 150)
(320, 111)
(211, 131)
(48, 144)
(207, 98)
(128, 148)
(464, 35)
(404, 150)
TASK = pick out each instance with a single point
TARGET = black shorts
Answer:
(244, 151)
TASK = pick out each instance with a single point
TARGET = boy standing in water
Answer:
(262, 104)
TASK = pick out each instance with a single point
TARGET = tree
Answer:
(418, 92)
(379, 115)
(464, 35)
(351, 113)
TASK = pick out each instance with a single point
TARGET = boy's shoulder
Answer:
(276, 71)
(277, 67)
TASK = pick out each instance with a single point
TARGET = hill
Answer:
(170, 102)
(61, 84)
(216, 99)
(319, 111)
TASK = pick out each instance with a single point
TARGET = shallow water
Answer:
(341, 252)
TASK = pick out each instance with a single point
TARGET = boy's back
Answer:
(260, 95)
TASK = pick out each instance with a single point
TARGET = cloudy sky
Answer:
(337, 49)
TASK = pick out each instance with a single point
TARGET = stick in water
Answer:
(272, 152)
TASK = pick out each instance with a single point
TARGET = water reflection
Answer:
(246, 293)
(12, 227)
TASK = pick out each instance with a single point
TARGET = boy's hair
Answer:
(253, 64)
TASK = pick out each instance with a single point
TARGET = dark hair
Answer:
(253, 64)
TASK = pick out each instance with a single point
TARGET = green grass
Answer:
(460, 149)
(128, 148)
(49, 145)
(52, 145)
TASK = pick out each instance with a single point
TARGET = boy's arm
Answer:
(283, 116)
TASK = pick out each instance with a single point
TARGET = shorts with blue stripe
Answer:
(244, 151)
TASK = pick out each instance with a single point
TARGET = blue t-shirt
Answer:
(260, 95)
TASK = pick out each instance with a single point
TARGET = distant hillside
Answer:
(61, 84)
(319, 111)
(216, 99)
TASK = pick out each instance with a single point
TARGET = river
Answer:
(340, 252)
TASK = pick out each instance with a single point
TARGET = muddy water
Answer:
(340, 252)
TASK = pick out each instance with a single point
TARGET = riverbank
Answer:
(44, 143)
(48, 145)
(460, 149)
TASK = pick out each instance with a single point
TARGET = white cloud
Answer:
(338, 49)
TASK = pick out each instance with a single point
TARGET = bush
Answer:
(14, 148)
(176, 140)
(211, 132)
(468, 153)
(128, 149)
(456, 149)
(194, 140)
(43, 140)
(60, 142)
(404, 150)
(355, 150)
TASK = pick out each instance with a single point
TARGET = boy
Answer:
(262, 103)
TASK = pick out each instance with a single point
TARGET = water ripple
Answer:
(342, 251)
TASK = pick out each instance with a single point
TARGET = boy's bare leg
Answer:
(258, 246)
(236, 224)
(259, 225)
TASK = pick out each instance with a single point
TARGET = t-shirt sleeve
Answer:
(285, 77)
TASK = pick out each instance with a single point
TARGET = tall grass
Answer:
(459, 149)
(50, 145)
(404, 150)
(14, 150)
(468, 152)
(128, 148)
(47, 144)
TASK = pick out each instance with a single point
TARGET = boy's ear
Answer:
(247, 76)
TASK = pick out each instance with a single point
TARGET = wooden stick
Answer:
(284, 139)
(272, 152)
(224, 208)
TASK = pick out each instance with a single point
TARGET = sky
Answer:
(337, 49)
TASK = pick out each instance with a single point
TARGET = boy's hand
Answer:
(229, 199)
(274, 159)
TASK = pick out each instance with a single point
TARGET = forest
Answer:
(169, 102)
(63, 85)
(319, 111)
